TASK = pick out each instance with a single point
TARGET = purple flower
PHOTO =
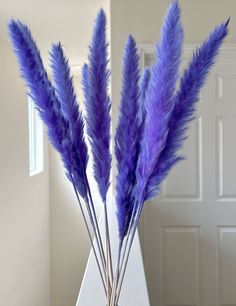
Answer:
(184, 105)
(159, 98)
(127, 137)
(70, 109)
(98, 105)
(45, 99)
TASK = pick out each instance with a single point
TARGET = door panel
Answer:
(188, 173)
(182, 260)
(188, 233)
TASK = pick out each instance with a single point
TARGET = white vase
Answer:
(134, 289)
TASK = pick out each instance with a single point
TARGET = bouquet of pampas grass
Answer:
(153, 124)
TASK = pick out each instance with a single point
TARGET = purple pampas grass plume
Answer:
(127, 137)
(159, 99)
(39, 87)
(144, 84)
(185, 104)
(43, 94)
(143, 92)
(98, 105)
(70, 109)
(85, 86)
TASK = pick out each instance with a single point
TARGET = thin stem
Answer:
(128, 235)
(97, 230)
(107, 258)
(138, 214)
(95, 234)
(115, 282)
(96, 221)
(94, 227)
(97, 238)
(107, 284)
(89, 233)
(108, 241)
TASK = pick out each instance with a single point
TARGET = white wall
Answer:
(143, 19)
(24, 200)
(69, 241)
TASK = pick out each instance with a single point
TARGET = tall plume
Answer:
(98, 105)
(64, 88)
(159, 99)
(185, 102)
(127, 137)
(43, 94)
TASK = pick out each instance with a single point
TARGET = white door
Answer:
(189, 232)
